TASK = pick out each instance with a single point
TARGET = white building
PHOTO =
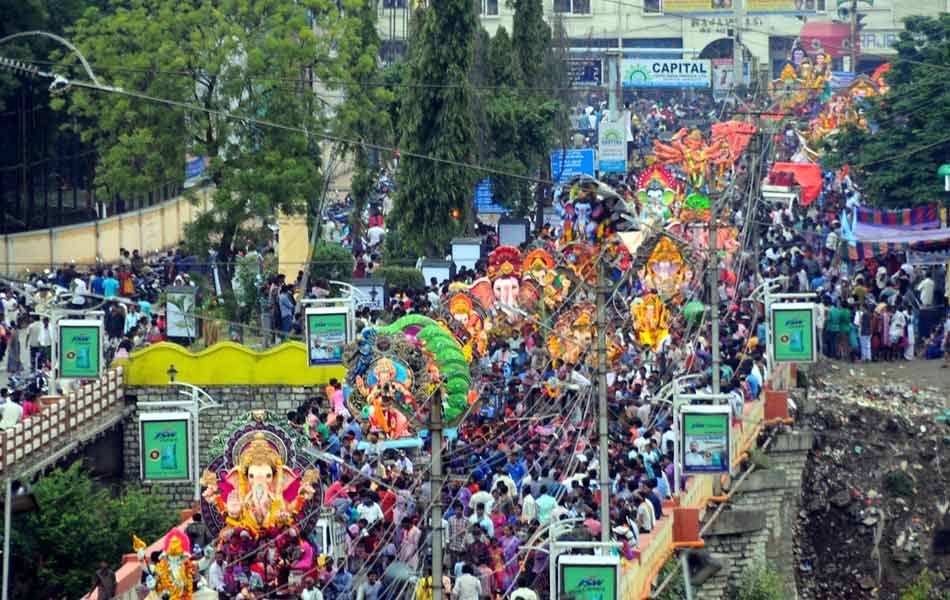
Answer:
(766, 29)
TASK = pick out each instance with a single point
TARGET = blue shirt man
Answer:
(110, 285)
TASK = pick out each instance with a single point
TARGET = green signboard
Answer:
(588, 581)
(793, 333)
(80, 349)
(165, 446)
(327, 333)
(706, 443)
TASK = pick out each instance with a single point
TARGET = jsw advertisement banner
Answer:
(666, 73)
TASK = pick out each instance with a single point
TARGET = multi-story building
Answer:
(767, 30)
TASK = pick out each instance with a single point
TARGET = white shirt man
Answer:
(10, 414)
(926, 290)
(79, 288)
(467, 586)
(216, 575)
(370, 511)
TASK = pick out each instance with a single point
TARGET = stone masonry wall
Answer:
(759, 523)
(233, 401)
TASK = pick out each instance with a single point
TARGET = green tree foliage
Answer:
(59, 546)
(407, 278)
(331, 261)
(437, 121)
(253, 58)
(531, 38)
(760, 582)
(363, 116)
(909, 123)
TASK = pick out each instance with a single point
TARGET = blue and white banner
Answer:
(666, 73)
(567, 163)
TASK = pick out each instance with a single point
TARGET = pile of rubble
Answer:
(876, 490)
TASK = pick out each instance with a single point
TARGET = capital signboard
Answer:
(79, 348)
(793, 329)
(666, 73)
(612, 146)
(705, 442)
(588, 577)
(328, 331)
(164, 446)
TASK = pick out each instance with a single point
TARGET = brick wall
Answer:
(233, 401)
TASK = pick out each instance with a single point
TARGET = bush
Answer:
(760, 582)
(78, 525)
(331, 261)
(923, 588)
(898, 483)
(401, 277)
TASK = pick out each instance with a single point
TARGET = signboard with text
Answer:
(165, 446)
(697, 7)
(724, 77)
(328, 331)
(779, 7)
(79, 348)
(612, 146)
(567, 163)
(666, 73)
(485, 199)
(588, 577)
(793, 331)
(706, 443)
(582, 72)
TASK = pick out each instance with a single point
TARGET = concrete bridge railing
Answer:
(63, 424)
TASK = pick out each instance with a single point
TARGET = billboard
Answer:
(779, 7)
(567, 162)
(328, 330)
(180, 312)
(164, 446)
(665, 73)
(79, 348)
(612, 146)
(584, 72)
(587, 577)
(724, 77)
(697, 7)
(706, 443)
(194, 171)
(793, 332)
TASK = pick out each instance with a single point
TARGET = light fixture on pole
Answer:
(172, 372)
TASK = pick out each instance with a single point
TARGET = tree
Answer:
(531, 39)
(253, 58)
(435, 199)
(59, 546)
(896, 160)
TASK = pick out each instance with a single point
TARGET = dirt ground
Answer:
(876, 491)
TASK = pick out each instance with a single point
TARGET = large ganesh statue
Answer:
(592, 211)
(656, 194)
(663, 265)
(690, 151)
(393, 372)
(259, 496)
(540, 271)
(257, 480)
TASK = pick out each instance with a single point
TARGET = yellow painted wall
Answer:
(151, 230)
(226, 363)
(145, 230)
(74, 243)
(293, 244)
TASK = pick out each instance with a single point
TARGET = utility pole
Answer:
(714, 285)
(614, 84)
(737, 54)
(435, 485)
(602, 434)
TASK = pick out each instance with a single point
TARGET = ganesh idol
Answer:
(257, 494)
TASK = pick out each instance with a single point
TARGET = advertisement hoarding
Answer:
(697, 7)
(723, 77)
(485, 199)
(180, 312)
(164, 446)
(706, 442)
(779, 7)
(328, 331)
(793, 332)
(665, 73)
(587, 577)
(566, 163)
(612, 146)
(79, 348)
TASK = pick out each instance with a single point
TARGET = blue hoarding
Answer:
(569, 162)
